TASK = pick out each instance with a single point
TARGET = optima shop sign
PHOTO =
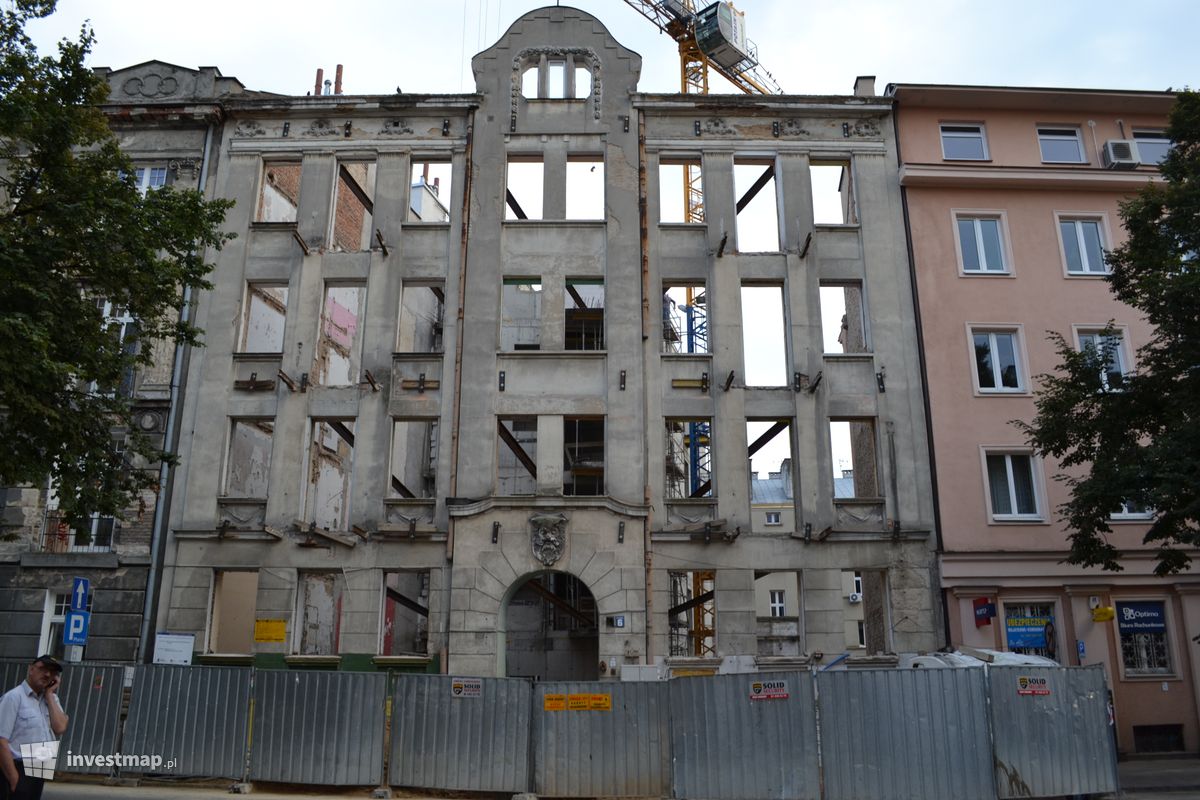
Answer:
(1143, 617)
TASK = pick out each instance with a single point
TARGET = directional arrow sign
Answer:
(79, 594)
(75, 627)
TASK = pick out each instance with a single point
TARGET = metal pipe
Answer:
(166, 473)
(644, 232)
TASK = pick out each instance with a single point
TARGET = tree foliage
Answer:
(1139, 441)
(75, 232)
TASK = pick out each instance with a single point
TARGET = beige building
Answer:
(1012, 199)
(481, 390)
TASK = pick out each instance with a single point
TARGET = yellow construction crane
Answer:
(712, 38)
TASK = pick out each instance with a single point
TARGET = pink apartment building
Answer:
(1012, 198)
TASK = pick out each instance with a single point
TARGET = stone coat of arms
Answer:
(549, 537)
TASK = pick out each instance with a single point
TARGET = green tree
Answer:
(75, 235)
(1139, 441)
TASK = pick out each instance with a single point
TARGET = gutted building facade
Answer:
(488, 379)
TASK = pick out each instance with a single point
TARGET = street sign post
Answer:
(80, 588)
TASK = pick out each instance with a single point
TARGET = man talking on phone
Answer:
(29, 714)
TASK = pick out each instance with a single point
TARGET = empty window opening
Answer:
(263, 318)
(583, 83)
(843, 328)
(235, 597)
(764, 342)
(516, 471)
(249, 464)
(852, 443)
(405, 613)
(769, 451)
(556, 80)
(422, 311)
(692, 616)
(583, 455)
(338, 343)
(777, 609)
(865, 609)
(1029, 629)
(330, 469)
(833, 193)
(685, 319)
(431, 189)
(585, 187)
(279, 196)
(529, 82)
(689, 458)
(583, 303)
(521, 314)
(523, 194)
(414, 458)
(320, 612)
(353, 205)
(757, 206)
(680, 190)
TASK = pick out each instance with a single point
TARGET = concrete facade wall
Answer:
(1018, 562)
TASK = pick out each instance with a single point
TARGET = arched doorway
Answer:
(552, 630)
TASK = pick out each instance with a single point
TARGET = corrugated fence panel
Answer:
(318, 727)
(443, 740)
(727, 746)
(197, 716)
(916, 734)
(91, 696)
(621, 751)
(1051, 738)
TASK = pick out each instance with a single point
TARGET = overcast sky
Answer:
(810, 48)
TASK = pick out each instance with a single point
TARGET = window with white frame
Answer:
(1131, 510)
(858, 583)
(1083, 245)
(1012, 486)
(1061, 145)
(862, 633)
(1110, 349)
(997, 363)
(963, 142)
(777, 602)
(147, 179)
(54, 617)
(773, 518)
(1152, 146)
(979, 244)
(1142, 628)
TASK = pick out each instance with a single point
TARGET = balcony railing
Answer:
(95, 535)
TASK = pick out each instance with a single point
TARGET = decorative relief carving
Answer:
(150, 85)
(867, 128)
(582, 56)
(321, 127)
(716, 127)
(793, 127)
(549, 537)
(182, 165)
(396, 127)
(249, 128)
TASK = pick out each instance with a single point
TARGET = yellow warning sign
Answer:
(270, 630)
(579, 702)
(554, 702)
(601, 702)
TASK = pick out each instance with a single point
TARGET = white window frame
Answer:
(858, 583)
(777, 602)
(1056, 133)
(1150, 135)
(1035, 475)
(54, 611)
(982, 136)
(958, 215)
(1124, 515)
(1101, 222)
(991, 330)
(774, 518)
(1172, 644)
(1120, 351)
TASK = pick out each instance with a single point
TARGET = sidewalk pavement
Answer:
(1157, 775)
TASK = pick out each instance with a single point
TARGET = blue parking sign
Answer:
(75, 627)
(80, 588)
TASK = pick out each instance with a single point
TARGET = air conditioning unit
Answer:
(1120, 154)
(855, 598)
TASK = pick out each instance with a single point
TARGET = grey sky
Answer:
(811, 48)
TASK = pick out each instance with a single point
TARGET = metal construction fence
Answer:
(1000, 732)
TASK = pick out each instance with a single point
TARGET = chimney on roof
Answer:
(864, 86)
(317, 87)
(337, 83)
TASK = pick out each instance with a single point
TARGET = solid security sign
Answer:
(80, 587)
(768, 690)
(466, 687)
(75, 627)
